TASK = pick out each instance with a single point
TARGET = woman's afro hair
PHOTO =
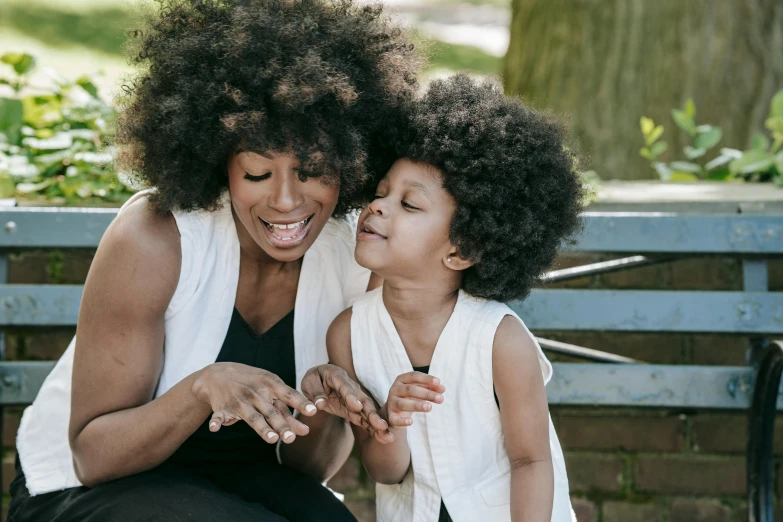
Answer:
(313, 77)
(515, 183)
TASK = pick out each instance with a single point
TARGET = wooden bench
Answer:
(612, 381)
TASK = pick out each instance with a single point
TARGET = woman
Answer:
(209, 297)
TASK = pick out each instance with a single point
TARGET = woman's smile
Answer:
(287, 233)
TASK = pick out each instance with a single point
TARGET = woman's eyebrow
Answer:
(419, 186)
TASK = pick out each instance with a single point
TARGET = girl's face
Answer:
(281, 214)
(404, 232)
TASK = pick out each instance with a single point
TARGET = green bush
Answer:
(54, 139)
(762, 162)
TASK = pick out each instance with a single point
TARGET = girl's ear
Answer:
(455, 261)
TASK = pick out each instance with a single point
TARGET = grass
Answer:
(75, 37)
(454, 57)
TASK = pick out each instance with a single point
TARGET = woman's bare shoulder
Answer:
(142, 242)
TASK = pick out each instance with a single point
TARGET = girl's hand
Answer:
(411, 392)
(260, 398)
(333, 391)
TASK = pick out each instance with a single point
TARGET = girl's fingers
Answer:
(399, 420)
(410, 405)
(418, 378)
(414, 391)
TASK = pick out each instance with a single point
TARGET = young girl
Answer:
(469, 216)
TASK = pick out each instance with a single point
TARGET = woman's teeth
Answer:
(287, 232)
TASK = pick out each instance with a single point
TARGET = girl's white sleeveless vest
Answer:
(196, 323)
(457, 449)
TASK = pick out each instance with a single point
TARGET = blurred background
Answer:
(676, 106)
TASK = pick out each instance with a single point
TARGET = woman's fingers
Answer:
(295, 399)
(217, 420)
(256, 420)
(299, 427)
(313, 388)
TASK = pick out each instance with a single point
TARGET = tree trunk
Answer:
(605, 63)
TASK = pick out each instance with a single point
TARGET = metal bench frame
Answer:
(615, 381)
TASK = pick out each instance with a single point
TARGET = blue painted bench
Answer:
(610, 380)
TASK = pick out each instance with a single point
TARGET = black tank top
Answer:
(238, 445)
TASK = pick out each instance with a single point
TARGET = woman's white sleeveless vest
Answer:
(196, 323)
(457, 449)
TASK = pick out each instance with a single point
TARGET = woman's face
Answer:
(280, 213)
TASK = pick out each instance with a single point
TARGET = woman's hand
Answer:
(260, 398)
(411, 392)
(333, 391)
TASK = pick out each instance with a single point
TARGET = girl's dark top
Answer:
(238, 444)
(444, 514)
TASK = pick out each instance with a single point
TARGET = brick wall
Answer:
(624, 465)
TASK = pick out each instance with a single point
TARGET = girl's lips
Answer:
(362, 235)
(367, 231)
(286, 241)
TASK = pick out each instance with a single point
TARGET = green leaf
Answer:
(759, 141)
(7, 187)
(776, 106)
(690, 108)
(721, 174)
(751, 162)
(683, 176)
(42, 111)
(708, 138)
(11, 113)
(646, 125)
(692, 153)
(85, 83)
(685, 166)
(29, 188)
(664, 172)
(645, 153)
(683, 121)
(718, 162)
(654, 135)
(21, 62)
(658, 148)
(779, 164)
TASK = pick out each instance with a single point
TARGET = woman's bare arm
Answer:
(115, 427)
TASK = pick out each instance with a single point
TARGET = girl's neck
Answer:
(409, 304)
(419, 315)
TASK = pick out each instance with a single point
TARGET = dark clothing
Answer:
(444, 514)
(239, 444)
(231, 475)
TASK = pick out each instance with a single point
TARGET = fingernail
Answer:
(319, 400)
(271, 435)
(213, 424)
(310, 408)
(287, 435)
(435, 380)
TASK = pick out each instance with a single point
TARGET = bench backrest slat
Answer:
(612, 310)
(603, 232)
(575, 384)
